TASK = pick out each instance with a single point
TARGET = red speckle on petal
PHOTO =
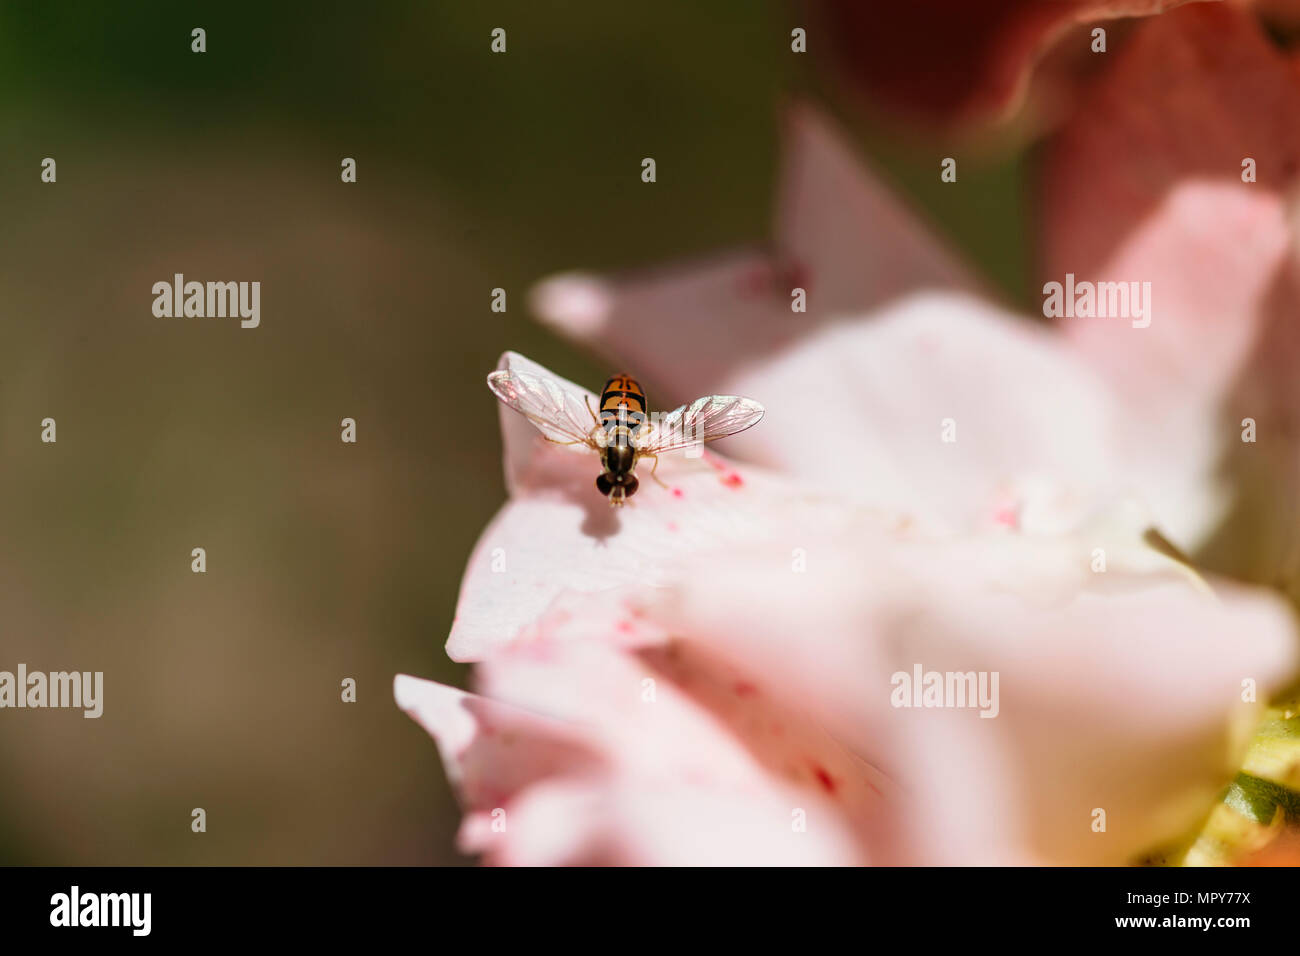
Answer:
(625, 627)
(727, 476)
(756, 282)
(796, 274)
(678, 493)
(829, 783)
(744, 689)
(1008, 516)
(671, 526)
(776, 277)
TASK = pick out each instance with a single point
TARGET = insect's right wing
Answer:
(558, 410)
(705, 419)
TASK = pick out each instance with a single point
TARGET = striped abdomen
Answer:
(622, 402)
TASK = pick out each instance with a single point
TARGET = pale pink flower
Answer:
(661, 685)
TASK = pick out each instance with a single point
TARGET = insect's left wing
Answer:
(705, 419)
(558, 410)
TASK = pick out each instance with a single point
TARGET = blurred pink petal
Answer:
(1146, 184)
(634, 794)
(844, 233)
(943, 404)
(490, 750)
(840, 234)
(1117, 697)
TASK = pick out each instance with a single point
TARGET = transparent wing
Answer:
(558, 410)
(705, 419)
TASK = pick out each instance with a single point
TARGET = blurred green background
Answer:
(325, 560)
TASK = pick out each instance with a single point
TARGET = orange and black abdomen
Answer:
(622, 402)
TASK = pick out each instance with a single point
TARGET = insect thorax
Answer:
(619, 455)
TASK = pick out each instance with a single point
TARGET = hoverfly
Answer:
(621, 430)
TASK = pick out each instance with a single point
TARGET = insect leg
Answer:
(654, 468)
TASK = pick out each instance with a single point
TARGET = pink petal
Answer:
(708, 771)
(1145, 185)
(850, 238)
(841, 236)
(554, 549)
(684, 733)
(558, 540)
(1120, 698)
(862, 408)
(632, 824)
(490, 750)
